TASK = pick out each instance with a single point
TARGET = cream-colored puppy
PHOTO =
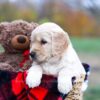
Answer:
(53, 54)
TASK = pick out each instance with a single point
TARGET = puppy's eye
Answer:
(43, 41)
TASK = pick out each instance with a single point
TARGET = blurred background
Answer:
(80, 18)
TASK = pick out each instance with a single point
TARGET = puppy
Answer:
(53, 54)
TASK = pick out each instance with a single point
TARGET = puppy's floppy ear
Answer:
(59, 43)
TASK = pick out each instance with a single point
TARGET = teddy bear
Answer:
(15, 39)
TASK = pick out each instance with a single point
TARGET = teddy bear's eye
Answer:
(43, 41)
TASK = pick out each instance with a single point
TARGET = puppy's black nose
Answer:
(33, 55)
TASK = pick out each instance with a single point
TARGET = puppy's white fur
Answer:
(63, 65)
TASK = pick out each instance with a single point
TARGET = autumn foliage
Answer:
(75, 22)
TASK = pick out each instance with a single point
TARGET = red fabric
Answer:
(22, 92)
(18, 84)
(26, 57)
(39, 93)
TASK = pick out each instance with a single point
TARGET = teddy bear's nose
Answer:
(21, 39)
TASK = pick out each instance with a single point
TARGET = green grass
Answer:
(86, 45)
(93, 93)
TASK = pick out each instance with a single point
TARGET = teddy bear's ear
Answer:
(3, 25)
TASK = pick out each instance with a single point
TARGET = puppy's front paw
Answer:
(64, 85)
(33, 80)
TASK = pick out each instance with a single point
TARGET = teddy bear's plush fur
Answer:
(14, 37)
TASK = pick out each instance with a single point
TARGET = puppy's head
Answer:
(48, 40)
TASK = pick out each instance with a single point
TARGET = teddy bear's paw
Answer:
(33, 80)
(64, 85)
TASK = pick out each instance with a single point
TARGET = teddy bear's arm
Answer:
(7, 67)
(76, 92)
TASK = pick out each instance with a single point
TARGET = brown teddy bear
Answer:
(14, 37)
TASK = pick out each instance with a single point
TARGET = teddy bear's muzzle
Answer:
(20, 42)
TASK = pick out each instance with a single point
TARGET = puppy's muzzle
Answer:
(33, 55)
